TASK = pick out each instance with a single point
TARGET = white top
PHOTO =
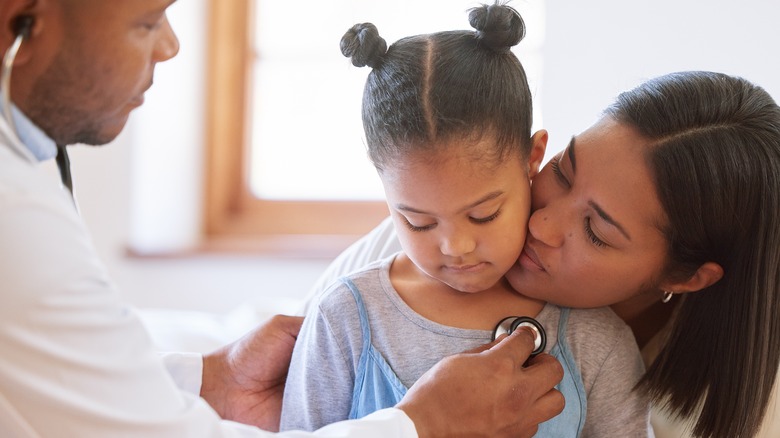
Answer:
(379, 243)
(74, 360)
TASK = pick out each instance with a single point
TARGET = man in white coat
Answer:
(74, 360)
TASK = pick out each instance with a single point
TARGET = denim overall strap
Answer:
(570, 422)
(376, 384)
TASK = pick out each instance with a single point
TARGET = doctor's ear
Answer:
(16, 18)
(22, 26)
(23, 18)
(538, 147)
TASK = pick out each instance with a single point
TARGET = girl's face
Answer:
(461, 217)
(594, 237)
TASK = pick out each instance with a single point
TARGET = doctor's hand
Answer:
(244, 381)
(488, 393)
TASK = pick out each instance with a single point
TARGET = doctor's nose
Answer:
(167, 45)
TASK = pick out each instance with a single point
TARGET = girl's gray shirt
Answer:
(319, 385)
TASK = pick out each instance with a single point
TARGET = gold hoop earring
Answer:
(667, 296)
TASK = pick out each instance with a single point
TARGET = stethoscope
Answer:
(22, 29)
(512, 323)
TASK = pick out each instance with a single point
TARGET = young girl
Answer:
(447, 118)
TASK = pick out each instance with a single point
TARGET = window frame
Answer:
(234, 219)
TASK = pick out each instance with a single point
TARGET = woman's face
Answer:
(594, 236)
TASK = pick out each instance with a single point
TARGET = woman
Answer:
(669, 206)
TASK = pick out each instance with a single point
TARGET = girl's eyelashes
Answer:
(592, 236)
(485, 220)
(416, 228)
(555, 164)
(478, 221)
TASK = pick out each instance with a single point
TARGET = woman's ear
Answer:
(708, 274)
(538, 147)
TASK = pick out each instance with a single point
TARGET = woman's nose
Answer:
(546, 227)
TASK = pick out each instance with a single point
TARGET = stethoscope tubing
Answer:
(8, 128)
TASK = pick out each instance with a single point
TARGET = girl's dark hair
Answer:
(426, 89)
(715, 157)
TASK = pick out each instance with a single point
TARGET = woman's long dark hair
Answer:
(715, 157)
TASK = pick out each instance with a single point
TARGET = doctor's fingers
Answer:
(485, 347)
(518, 346)
(546, 372)
(530, 417)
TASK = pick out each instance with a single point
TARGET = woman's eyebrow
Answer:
(608, 219)
(572, 157)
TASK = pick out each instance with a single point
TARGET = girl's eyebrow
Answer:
(488, 197)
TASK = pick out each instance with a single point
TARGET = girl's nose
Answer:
(457, 244)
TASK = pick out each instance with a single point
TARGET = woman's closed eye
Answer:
(592, 235)
(555, 164)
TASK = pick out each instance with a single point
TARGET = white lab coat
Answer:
(77, 362)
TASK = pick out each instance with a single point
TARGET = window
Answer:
(286, 164)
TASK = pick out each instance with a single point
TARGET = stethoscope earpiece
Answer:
(512, 323)
(22, 25)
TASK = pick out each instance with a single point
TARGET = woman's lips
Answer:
(530, 260)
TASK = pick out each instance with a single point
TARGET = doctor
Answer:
(74, 360)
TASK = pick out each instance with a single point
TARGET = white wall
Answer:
(153, 172)
(598, 48)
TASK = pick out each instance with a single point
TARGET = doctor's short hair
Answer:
(428, 89)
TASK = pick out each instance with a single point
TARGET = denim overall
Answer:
(378, 387)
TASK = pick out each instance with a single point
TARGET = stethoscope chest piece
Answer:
(512, 323)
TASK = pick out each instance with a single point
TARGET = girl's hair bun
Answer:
(363, 45)
(498, 26)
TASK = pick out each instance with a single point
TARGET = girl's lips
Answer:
(466, 268)
(529, 259)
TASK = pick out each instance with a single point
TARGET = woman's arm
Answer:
(614, 407)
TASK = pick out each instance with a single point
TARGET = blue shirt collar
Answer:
(32, 137)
